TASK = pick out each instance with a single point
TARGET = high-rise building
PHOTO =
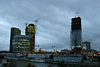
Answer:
(14, 31)
(30, 30)
(86, 45)
(76, 33)
(21, 44)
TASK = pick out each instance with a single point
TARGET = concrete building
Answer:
(14, 31)
(86, 45)
(21, 44)
(76, 34)
(30, 30)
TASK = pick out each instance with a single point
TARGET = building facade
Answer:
(21, 44)
(30, 30)
(86, 45)
(14, 31)
(76, 33)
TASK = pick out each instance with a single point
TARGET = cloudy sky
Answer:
(53, 28)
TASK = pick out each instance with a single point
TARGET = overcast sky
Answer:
(53, 28)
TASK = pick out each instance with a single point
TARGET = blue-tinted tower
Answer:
(76, 33)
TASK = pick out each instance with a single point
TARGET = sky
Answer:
(53, 27)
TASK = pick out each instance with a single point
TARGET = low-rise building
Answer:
(21, 44)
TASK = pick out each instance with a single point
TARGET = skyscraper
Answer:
(14, 31)
(30, 30)
(76, 33)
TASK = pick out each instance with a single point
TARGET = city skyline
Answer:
(53, 27)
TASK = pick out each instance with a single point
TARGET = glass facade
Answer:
(14, 31)
(76, 35)
(21, 44)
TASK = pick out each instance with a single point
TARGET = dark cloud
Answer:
(55, 16)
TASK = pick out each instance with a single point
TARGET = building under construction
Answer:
(86, 45)
(76, 34)
(30, 30)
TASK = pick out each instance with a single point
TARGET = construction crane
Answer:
(36, 20)
(36, 32)
(53, 47)
(26, 24)
(78, 12)
(36, 25)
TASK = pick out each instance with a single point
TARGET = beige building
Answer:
(30, 30)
